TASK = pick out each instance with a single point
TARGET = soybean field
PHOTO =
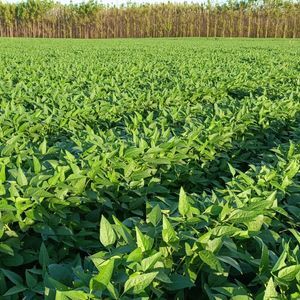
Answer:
(150, 169)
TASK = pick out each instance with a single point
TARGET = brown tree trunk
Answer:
(249, 24)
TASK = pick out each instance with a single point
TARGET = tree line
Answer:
(44, 18)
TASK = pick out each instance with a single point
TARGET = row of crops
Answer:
(149, 169)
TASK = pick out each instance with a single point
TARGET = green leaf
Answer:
(1, 229)
(256, 224)
(292, 169)
(79, 185)
(36, 165)
(54, 284)
(15, 290)
(4, 248)
(232, 262)
(246, 178)
(43, 256)
(138, 175)
(21, 178)
(123, 231)
(61, 273)
(72, 295)
(154, 217)
(2, 173)
(179, 282)
(280, 262)
(210, 259)
(43, 147)
(289, 273)
(161, 276)
(113, 291)
(3, 284)
(168, 233)
(241, 216)
(264, 261)
(135, 256)
(14, 261)
(295, 234)
(143, 241)
(31, 281)
(270, 291)
(231, 169)
(183, 204)
(107, 234)
(296, 295)
(101, 281)
(137, 283)
(2, 189)
(149, 262)
(13, 277)
(291, 150)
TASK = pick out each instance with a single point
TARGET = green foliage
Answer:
(150, 169)
(93, 19)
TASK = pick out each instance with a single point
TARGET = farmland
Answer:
(149, 169)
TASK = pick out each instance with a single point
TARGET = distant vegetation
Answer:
(43, 18)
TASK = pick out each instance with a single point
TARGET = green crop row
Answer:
(149, 169)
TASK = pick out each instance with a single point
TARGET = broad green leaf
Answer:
(179, 282)
(12, 276)
(60, 273)
(2, 189)
(107, 234)
(289, 273)
(15, 290)
(14, 260)
(155, 215)
(113, 291)
(36, 165)
(31, 281)
(161, 276)
(143, 241)
(183, 204)
(4, 248)
(21, 178)
(43, 256)
(224, 230)
(241, 216)
(2, 173)
(135, 256)
(74, 295)
(230, 261)
(280, 262)
(270, 291)
(256, 224)
(148, 262)
(137, 283)
(138, 175)
(1, 229)
(264, 261)
(295, 296)
(168, 233)
(3, 283)
(43, 147)
(292, 169)
(54, 284)
(295, 234)
(210, 259)
(102, 280)
(232, 170)
(123, 231)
